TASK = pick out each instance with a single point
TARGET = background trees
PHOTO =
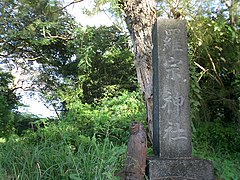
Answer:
(101, 65)
(88, 74)
(60, 59)
(213, 31)
(64, 60)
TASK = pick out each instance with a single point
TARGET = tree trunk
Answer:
(140, 15)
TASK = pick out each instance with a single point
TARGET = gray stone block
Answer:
(179, 169)
(172, 141)
(172, 131)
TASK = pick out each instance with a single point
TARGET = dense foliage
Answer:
(101, 66)
(216, 55)
(87, 73)
(57, 57)
(8, 102)
(94, 145)
(110, 118)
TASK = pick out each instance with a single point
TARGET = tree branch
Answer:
(204, 71)
(73, 2)
(60, 37)
(214, 68)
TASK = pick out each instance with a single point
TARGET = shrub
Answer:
(221, 144)
(215, 135)
(111, 117)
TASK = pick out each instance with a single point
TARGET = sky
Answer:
(76, 11)
(34, 103)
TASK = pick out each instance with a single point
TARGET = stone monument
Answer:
(171, 124)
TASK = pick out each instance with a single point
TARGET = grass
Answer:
(63, 152)
(23, 160)
(89, 160)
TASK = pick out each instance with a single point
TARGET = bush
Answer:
(221, 144)
(111, 117)
(214, 135)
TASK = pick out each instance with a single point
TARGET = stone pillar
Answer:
(171, 90)
(172, 128)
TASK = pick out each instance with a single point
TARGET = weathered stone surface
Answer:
(180, 169)
(171, 127)
(172, 131)
(136, 153)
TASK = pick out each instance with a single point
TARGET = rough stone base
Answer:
(179, 169)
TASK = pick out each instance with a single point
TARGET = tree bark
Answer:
(140, 15)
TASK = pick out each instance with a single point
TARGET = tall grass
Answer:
(48, 159)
